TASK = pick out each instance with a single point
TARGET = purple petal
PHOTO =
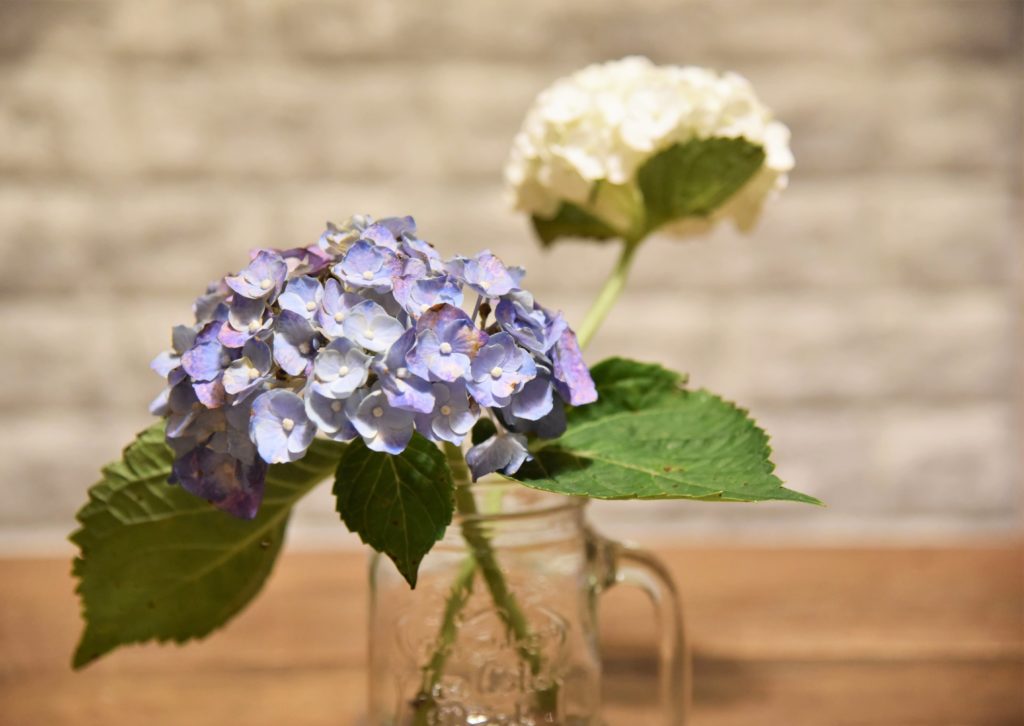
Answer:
(263, 277)
(183, 337)
(211, 306)
(329, 414)
(302, 296)
(399, 226)
(408, 392)
(382, 427)
(294, 345)
(210, 393)
(503, 452)
(166, 362)
(380, 235)
(206, 361)
(221, 479)
(488, 275)
(572, 378)
(159, 406)
(244, 312)
(334, 307)
(441, 316)
(453, 414)
(231, 338)
(371, 327)
(535, 400)
(280, 427)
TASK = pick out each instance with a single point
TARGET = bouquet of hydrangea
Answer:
(361, 335)
(404, 373)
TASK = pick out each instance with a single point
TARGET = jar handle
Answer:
(634, 566)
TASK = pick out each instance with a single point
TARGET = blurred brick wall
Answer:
(873, 322)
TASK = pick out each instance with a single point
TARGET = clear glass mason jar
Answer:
(501, 628)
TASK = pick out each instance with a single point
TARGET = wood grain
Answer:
(780, 636)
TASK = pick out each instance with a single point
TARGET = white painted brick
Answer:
(816, 347)
(947, 459)
(48, 462)
(76, 114)
(65, 223)
(320, 29)
(953, 28)
(924, 231)
(869, 346)
(442, 120)
(872, 322)
(916, 115)
(928, 233)
(29, 127)
(159, 239)
(176, 28)
(70, 28)
(89, 354)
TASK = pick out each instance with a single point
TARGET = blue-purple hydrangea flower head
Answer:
(362, 334)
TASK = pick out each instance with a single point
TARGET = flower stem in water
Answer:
(506, 605)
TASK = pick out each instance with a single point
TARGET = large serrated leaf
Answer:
(646, 438)
(156, 563)
(687, 180)
(398, 504)
(693, 179)
(626, 385)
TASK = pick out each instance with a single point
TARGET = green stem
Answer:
(505, 601)
(459, 595)
(609, 293)
(506, 605)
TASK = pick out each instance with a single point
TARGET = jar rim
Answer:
(559, 502)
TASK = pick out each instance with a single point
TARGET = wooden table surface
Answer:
(782, 637)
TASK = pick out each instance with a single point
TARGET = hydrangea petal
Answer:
(332, 416)
(221, 479)
(206, 361)
(501, 369)
(334, 308)
(294, 343)
(369, 325)
(263, 277)
(504, 453)
(280, 427)
(487, 275)
(382, 426)
(367, 266)
(535, 400)
(453, 415)
(572, 377)
(302, 296)
(341, 368)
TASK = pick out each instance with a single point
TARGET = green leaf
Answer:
(398, 504)
(625, 384)
(571, 221)
(157, 563)
(690, 179)
(483, 429)
(695, 178)
(647, 438)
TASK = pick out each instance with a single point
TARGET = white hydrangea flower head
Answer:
(602, 123)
